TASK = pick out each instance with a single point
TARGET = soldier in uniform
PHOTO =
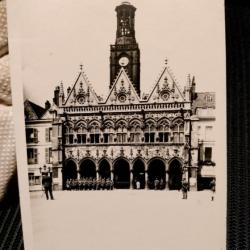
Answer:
(156, 183)
(212, 187)
(108, 186)
(94, 184)
(111, 184)
(67, 184)
(47, 184)
(98, 183)
(184, 189)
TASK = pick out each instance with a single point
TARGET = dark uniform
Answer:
(47, 184)
(184, 189)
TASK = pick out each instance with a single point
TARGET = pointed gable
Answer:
(166, 89)
(82, 93)
(122, 91)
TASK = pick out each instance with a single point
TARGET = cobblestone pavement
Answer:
(127, 220)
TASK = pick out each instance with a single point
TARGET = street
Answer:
(127, 220)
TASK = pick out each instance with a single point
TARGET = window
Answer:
(149, 133)
(135, 134)
(55, 172)
(208, 154)
(108, 135)
(69, 135)
(94, 134)
(81, 135)
(34, 180)
(32, 156)
(164, 133)
(178, 132)
(31, 135)
(208, 133)
(48, 155)
(48, 134)
(121, 134)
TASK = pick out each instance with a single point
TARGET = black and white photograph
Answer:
(121, 117)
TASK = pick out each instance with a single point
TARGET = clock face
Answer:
(123, 61)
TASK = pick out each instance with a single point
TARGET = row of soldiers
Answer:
(89, 184)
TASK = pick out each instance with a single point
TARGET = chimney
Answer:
(47, 105)
(56, 96)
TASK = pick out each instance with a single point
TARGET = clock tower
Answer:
(125, 52)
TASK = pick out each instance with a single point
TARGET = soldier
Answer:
(108, 184)
(212, 187)
(103, 182)
(47, 184)
(98, 183)
(67, 184)
(156, 183)
(111, 184)
(138, 184)
(94, 184)
(83, 183)
(184, 189)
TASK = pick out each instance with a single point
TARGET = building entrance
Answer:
(139, 174)
(121, 174)
(175, 175)
(104, 169)
(69, 172)
(156, 174)
(87, 169)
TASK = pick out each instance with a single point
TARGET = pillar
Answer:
(146, 180)
(131, 179)
(167, 177)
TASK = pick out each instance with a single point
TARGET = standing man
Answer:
(212, 187)
(184, 189)
(47, 184)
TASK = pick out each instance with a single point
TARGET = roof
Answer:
(204, 100)
(33, 111)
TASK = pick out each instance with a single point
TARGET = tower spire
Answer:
(125, 53)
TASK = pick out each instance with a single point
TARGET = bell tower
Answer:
(125, 52)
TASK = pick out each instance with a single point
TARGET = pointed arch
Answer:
(87, 168)
(156, 171)
(175, 174)
(121, 168)
(138, 173)
(104, 168)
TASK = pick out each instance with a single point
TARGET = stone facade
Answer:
(127, 137)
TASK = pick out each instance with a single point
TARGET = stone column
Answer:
(112, 175)
(146, 180)
(167, 176)
(78, 175)
(131, 179)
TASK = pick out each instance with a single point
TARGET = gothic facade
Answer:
(126, 137)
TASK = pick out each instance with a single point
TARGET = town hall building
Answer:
(125, 136)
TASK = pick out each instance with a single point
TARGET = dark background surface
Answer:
(238, 121)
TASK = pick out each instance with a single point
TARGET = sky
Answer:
(57, 36)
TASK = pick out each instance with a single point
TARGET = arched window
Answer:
(69, 135)
(108, 135)
(178, 132)
(164, 132)
(121, 133)
(94, 133)
(135, 133)
(149, 133)
(81, 135)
